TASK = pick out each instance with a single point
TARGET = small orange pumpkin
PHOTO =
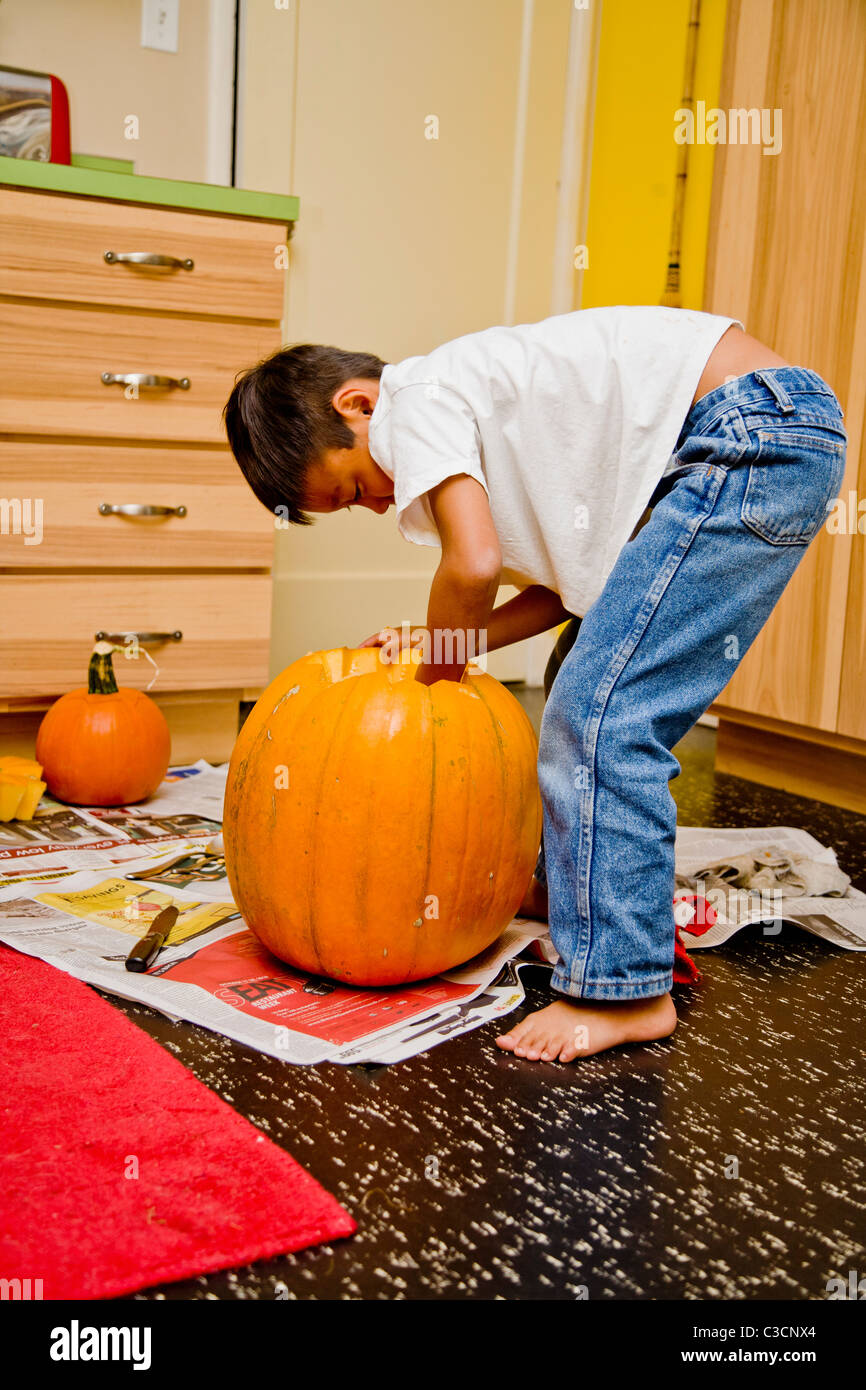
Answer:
(103, 746)
(378, 830)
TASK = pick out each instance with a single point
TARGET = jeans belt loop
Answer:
(777, 390)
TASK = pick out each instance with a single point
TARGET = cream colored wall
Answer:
(401, 242)
(94, 47)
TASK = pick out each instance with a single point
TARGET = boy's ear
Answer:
(353, 398)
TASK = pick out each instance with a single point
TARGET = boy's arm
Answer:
(466, 582)
(530, 612)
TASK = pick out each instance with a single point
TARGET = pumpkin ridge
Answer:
(241, 808)
(407, 705)
(397, 699)
(356, 690)
(468, 815)
(258, 738)
(530, 801)
(401, 698)
(434, 801)
(503, 782)
(530, 795)
(345, 688)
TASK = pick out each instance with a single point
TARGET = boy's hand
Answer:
(398, 636)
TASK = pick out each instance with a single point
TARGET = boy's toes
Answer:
(535, 1044)
(523, 1040)
(516, 1037)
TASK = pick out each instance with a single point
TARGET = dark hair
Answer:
(279, 419)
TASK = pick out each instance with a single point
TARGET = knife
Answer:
(145, 951)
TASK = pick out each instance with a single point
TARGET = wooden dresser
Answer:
(122, 511)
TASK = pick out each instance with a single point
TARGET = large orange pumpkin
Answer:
(103, 746)
(378, 830)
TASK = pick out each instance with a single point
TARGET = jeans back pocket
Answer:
(795, 474)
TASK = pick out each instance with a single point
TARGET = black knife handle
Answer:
(144, 951)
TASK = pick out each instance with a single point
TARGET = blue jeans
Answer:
(756, 465)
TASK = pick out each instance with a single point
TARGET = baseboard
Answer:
(816, 770)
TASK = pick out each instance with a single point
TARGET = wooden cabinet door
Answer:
(852, 695)
(786, 256)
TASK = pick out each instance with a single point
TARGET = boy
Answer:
(530, 454)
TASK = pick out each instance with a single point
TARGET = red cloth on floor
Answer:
(119, 1169)
(685, 970)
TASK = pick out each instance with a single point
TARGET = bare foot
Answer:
(565, 1030)
(535, 903)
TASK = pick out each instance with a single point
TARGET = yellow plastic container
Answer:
(12, 791)
(19, 795)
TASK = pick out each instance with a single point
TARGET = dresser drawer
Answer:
(52, 359)
(58, 490)
(48, 623)
(54, 247)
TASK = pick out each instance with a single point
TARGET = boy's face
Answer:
(351, 477)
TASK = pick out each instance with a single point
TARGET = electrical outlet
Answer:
(159, 22)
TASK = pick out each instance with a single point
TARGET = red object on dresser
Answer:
(34, 116)
(60, 149)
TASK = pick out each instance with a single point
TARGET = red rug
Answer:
(119, 1169)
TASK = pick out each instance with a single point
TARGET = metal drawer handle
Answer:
(148, 258)
(144, 638)
(145, 379)
(138, 509)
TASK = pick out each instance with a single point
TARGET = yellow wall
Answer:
(634, 156)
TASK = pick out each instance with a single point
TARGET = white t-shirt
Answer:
(568, 424)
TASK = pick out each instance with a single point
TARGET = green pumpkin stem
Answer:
(100, 672)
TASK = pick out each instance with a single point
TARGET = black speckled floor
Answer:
(726, 1162)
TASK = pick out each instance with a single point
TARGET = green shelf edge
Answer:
(138, 188)
(99, 161)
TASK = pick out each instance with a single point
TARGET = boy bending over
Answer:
(530, 454)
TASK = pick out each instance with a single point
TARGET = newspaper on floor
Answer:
(78, 885)
(59, 840)
(839, 920)
(214, 972)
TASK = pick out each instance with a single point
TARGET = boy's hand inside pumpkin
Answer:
(397, 639)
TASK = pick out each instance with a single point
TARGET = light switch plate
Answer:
(159, 24)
